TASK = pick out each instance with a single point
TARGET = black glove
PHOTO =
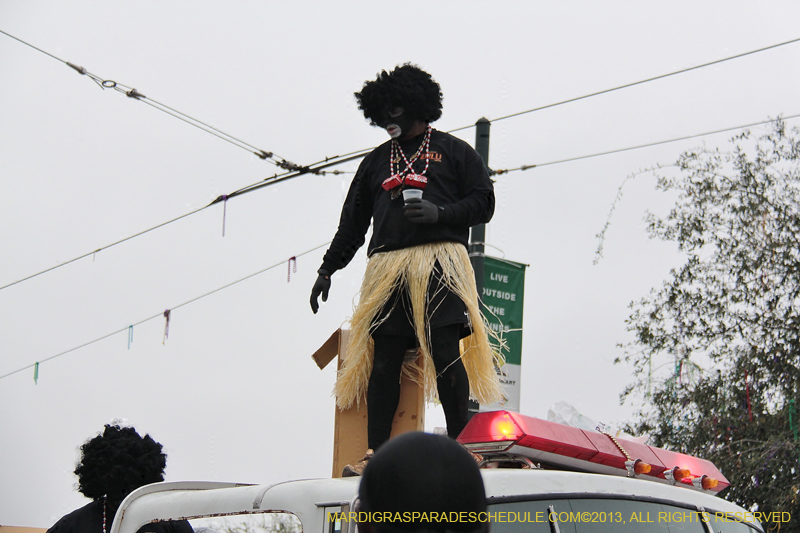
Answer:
(421, 211)
(322, 285)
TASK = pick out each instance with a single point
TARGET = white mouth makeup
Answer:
(394, 131)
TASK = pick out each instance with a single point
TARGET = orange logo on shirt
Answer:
(436, 157)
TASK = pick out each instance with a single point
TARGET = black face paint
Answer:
(397, 122)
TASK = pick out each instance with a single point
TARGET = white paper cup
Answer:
(411, 193)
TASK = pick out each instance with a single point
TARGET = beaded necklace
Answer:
(104, 514)
(398, 178)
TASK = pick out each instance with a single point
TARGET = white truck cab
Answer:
(580, 481)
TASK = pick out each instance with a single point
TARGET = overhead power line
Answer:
(292, 167)
(159, 315)
(316, 168)
(637, 147)
(640, 82)
(136, 95)
(269, 181)
(619, 87)
(65, 263)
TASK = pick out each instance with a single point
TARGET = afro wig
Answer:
(118, 462)
(407, 86)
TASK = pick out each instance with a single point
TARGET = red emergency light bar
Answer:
(507, 433)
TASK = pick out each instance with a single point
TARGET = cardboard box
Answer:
(350, 425)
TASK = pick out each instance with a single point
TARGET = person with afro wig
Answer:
(112, 465)
(418, 293)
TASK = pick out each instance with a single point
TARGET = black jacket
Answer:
(457, 181)
(89, 519)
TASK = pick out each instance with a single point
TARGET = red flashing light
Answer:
(491, 432)
(504, 428)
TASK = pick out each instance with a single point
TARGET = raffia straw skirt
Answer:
(411, 268)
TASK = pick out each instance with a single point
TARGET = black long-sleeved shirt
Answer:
(457, 181)
(89, 519)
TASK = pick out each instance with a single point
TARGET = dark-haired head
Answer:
(407, 87)
(118, 462)
(429, 475)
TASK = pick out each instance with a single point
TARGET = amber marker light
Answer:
(637, 467)
(704, 482)
(680, 473)
(640, 467)
(677, 475)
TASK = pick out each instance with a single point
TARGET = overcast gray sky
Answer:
(233, 394)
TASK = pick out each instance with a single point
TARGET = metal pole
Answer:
(478, 234)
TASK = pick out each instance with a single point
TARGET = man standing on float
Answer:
(419, 287)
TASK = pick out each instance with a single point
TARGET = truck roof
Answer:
(308, 499)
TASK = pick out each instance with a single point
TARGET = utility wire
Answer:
(270, 181)
(605, 91)
(133, 93)
(361, 153)
(367, 150)
(126, 328)
(318, 169)
(527, 167)
(288, 165)
(65, 263)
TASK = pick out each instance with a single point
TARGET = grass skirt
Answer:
(411, 268)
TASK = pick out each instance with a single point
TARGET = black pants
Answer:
(383, 394)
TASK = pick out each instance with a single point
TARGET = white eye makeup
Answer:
(396, 112)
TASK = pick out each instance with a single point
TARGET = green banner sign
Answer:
(503, 297)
